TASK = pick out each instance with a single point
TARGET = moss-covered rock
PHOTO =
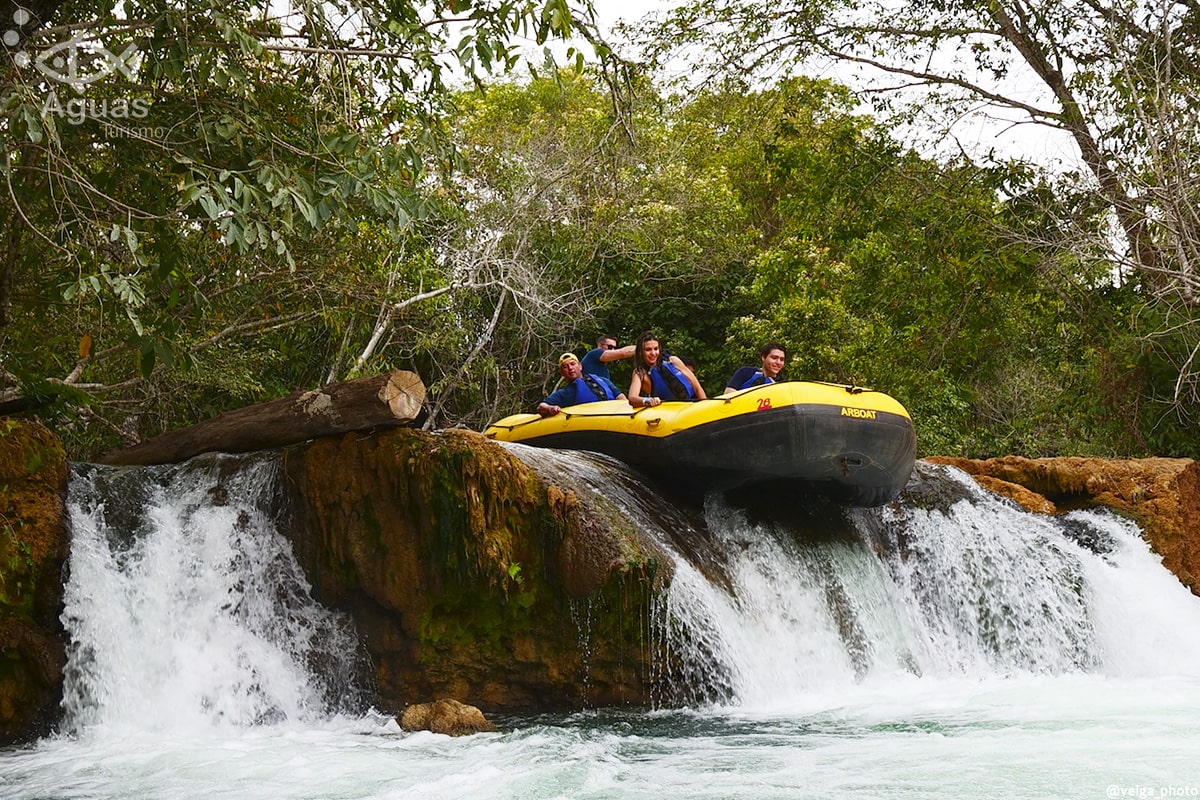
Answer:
(33, 549)
(469, 576)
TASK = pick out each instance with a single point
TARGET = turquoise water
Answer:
(981, 652)
(1066, 737)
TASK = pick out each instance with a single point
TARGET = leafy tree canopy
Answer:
(1118, 78)
(178, 176)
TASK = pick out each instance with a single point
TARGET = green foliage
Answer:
(221, 176)
(634, 221)
(1118, 84)
(277, 222)
(891, 271)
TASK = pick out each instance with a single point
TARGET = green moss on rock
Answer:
(33, 549)
(468, 573)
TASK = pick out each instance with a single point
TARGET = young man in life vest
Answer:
(772, 355)
(595, 362)
(580, 388)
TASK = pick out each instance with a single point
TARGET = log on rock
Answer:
(379, 401)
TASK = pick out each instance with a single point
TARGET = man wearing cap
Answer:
(580, 388)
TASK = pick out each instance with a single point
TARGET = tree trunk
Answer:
(380, 401)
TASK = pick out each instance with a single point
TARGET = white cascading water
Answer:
(980, 589)
(202, 612)
(186, 607)
(944, 650)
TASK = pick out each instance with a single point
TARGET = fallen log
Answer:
(390, 400)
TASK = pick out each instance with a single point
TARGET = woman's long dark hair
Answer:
(639, 360)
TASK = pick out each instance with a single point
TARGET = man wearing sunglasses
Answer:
(595, 362)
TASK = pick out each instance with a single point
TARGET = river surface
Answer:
(971, 651)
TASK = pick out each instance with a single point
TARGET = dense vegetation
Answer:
(274, 222)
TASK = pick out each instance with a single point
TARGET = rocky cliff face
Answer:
(33, 549)
(1161, 494)
(471, 578)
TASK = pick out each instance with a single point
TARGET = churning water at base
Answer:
(970, 651)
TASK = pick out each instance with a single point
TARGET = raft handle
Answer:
(849, 388)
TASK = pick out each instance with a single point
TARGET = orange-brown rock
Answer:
(33, 549)
(1161, 494)
(445, 716)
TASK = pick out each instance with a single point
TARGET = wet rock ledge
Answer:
(468, 576)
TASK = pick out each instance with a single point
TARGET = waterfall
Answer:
(777, 599)
(828, 600)
(186, 608)
(948, 645)
(185, 603)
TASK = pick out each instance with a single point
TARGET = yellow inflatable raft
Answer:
(856, 446)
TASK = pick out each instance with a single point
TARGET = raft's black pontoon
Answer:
(855, 446)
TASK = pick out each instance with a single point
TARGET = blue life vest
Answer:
(590, 390)
(757, 379)
(661, 384)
